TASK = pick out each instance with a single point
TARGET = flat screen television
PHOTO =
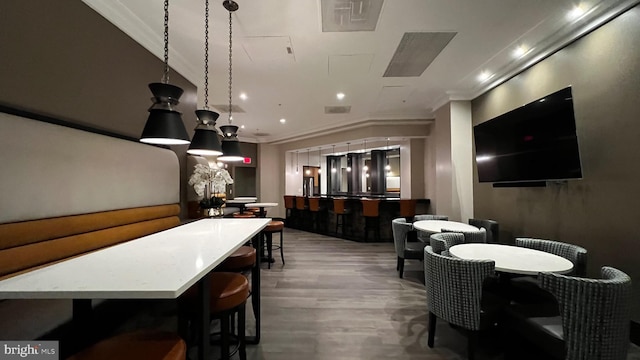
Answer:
(533, 143)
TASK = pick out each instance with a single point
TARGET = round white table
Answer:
(261, 206)
(513, 259)
(436, 226)
(241, 202)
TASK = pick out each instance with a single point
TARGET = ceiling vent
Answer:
(416, 51)
(350, 15)
(225, 108)
(337, 109)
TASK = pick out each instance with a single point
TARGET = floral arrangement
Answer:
(209, 183)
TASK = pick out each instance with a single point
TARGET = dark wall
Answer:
(62, 59)
(599, 212)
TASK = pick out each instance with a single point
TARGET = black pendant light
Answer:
(164, 125)
(205, 139)
(230, 144)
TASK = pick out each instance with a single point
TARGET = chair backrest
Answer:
(370, 207)
(338, 205)
(596, 313)
(314, 203)
(289, 201)
(400, 228)
(479, 236)
(407, 207)
(454, 287)
(493, 229)
(574, 253)
(443, 241)
(300, 202)
(430, 217)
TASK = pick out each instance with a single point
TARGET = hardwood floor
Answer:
(338, 299)
(341, 300)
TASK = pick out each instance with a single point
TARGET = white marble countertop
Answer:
(161, 265)
(513, 259)
(436, 226)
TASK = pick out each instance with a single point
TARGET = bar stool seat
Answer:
(274, 226)
(241, 260)
(229, 293)
(145, 344)
(245, 215)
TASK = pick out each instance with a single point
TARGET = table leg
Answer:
(255, 288)
(82, 312)
(204, 295)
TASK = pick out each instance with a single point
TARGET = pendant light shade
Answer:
(205, 140)
(230, 144)
(164, 125)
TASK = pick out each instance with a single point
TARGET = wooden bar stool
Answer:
(273, 227)
(229, 293)
(370, 211)
(145, 344)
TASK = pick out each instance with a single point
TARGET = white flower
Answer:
(215, 179)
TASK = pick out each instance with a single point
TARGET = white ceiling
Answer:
(300, 85)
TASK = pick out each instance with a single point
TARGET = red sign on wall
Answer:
(246, 160)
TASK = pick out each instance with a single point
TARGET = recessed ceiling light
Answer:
(484, 76)
(520, 51)
(576, 12)
(283, 120)
(241, 126)
(243, 96)
(340, 96)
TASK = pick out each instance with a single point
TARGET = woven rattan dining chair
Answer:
(455, 293)
(404, 249)
(594, 317)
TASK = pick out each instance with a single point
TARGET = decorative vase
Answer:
(214, 212)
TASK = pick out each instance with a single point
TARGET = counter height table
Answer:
(513, 259)
(157, 266)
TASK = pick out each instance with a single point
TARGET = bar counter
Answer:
(324, 222)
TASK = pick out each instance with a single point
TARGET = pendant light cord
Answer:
(165, 76)
(206, 55)
(230, 61)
